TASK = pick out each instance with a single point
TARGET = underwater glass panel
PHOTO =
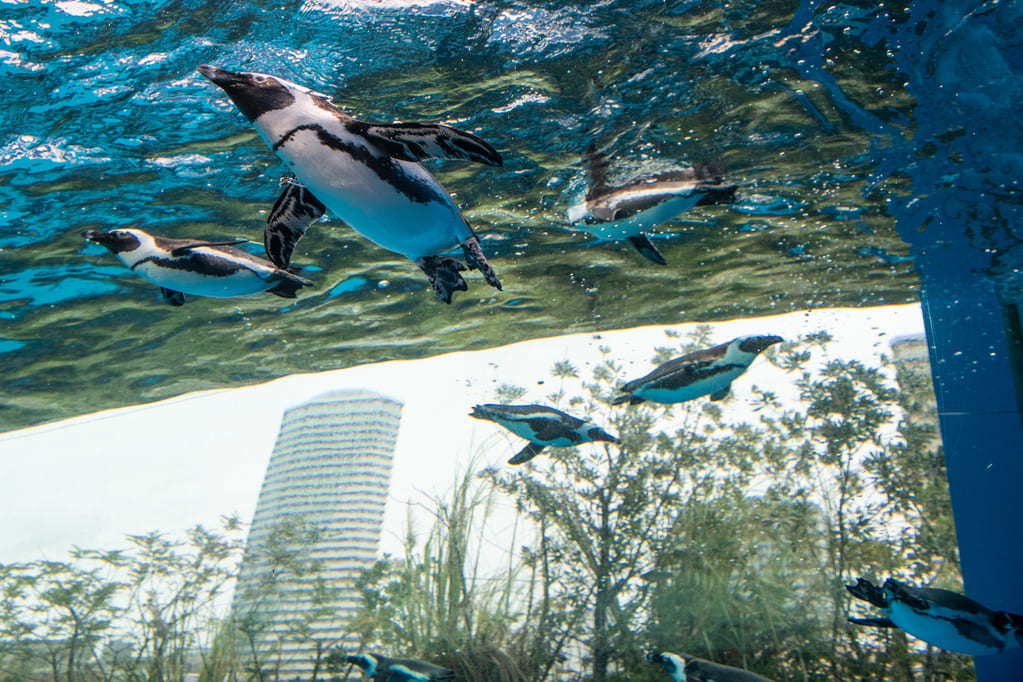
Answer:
(716, 277)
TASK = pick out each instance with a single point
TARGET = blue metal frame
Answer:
(975, 362)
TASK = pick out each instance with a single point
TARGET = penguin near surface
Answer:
(942, 618)
(199, 268)
(704, 372)
(628, 211)
(367, 173)
(385, 669)
(683, 668)
(542, 426)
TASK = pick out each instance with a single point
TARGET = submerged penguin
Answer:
(945, 619)
(367, 173)
(691, 669)
(541, 426)
(628, 211)
(703, 372)
(384, 669)
(201, 268)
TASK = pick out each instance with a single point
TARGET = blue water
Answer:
(848, 127)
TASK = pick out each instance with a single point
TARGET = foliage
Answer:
(728, 530)
(725, 530)
(436, 602)
(136, 613)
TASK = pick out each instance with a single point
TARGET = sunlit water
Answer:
(107, 124)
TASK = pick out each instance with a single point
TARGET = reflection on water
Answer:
(107, 124)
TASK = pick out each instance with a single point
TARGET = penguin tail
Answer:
(647, 249)
(527, 453)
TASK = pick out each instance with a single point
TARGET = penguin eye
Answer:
(259, 79)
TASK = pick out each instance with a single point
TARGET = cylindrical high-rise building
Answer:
(317, 525)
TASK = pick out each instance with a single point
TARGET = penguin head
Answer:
(367, 662)
(117, 241)
(895, 591)
(255, 94)
(673, 664)
(756, 344)
(595, 433)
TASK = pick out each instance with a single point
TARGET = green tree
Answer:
(442, 601)
(127, 614)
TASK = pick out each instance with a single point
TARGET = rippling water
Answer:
(107, 124)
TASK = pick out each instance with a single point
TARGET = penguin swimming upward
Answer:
(367, 173)
(942, 618)
(188, 266)
(541, 426)
(691, 669)
(703, 372)
(628, 211)
(384, 669)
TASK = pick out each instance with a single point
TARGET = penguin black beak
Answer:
(97, 236)
(217, 75)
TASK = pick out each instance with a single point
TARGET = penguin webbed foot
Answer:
(175, 298)
(443, 273)
(477, 261)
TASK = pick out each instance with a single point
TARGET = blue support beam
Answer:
(975, 361)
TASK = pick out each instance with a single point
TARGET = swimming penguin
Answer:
(691, 669)
(189, 266)
(541, 426)
(627, 211)
(945, 619)
(384, 669)
(703, 372)
(367, 173)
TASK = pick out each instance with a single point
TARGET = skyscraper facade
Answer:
(317, 525)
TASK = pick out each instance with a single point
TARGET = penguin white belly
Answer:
(695, 390)
(239, 283)
(635, 224)
(375, 208)
(936, 631)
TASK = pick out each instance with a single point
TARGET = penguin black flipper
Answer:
(295, 210)
(443, 275)
(527, 453)
(175, 298)
(646, 248)
(721, 394)
(420, 141)
(182, 250)
(874, 622)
